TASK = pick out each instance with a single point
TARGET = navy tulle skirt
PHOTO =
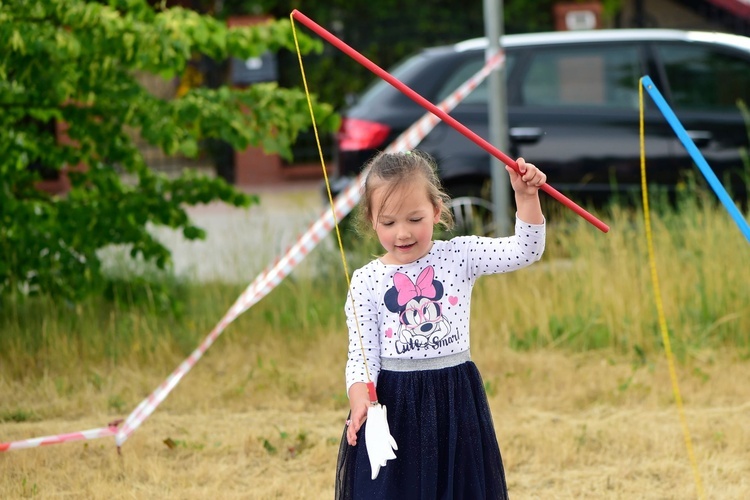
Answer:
(447, 448)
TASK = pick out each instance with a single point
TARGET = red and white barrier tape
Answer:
(100, 432)
(271, 276)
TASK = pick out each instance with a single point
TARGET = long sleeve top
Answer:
(421, 309)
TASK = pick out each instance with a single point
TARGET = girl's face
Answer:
(404, 222)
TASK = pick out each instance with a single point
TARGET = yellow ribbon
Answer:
(660, 306)
(330, 196)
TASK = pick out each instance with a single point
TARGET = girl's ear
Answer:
(438, 210)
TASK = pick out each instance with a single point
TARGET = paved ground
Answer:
(242, 242)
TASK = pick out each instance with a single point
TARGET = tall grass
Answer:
(594, 291)
(590, 291)
(156, 321)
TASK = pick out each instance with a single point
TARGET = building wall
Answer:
(663, 14)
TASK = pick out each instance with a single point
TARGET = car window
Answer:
(598, 77)
(379, 88)
(703, 78)
(466, 71)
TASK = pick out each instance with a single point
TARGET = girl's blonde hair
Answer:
(397, 169)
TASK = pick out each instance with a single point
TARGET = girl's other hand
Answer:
(359, 401)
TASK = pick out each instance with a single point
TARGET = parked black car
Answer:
(572, 107)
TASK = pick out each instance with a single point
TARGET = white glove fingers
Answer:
(380, 443)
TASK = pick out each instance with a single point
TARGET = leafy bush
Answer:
(71, 101)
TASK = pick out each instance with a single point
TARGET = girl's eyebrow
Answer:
(408, 215)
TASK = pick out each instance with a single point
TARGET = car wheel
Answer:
(472, 207)
(472, 215)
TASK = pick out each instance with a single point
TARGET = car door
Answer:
(705, 86)
(464, 166)
(574, 111)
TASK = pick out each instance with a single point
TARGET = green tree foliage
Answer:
(76, 62)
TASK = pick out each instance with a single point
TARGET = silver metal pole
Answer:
(498, 117)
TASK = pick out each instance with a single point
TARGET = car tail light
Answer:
(356, 134)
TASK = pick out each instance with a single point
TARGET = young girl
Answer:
(408, 319)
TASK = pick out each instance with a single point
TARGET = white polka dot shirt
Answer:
(421, 309)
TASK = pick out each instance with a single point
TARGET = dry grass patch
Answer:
(264, 421)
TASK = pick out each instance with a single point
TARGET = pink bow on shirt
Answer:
(422, 288)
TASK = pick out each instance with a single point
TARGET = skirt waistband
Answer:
(410, 365)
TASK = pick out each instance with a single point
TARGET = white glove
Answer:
(380, 443)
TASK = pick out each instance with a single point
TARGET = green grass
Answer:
(591, 291)
(155, 320)
(594, 291)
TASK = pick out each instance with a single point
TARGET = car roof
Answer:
(608, 35)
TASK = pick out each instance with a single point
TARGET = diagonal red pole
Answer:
(336, 42)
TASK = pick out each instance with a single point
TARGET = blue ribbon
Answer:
(698, 158)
